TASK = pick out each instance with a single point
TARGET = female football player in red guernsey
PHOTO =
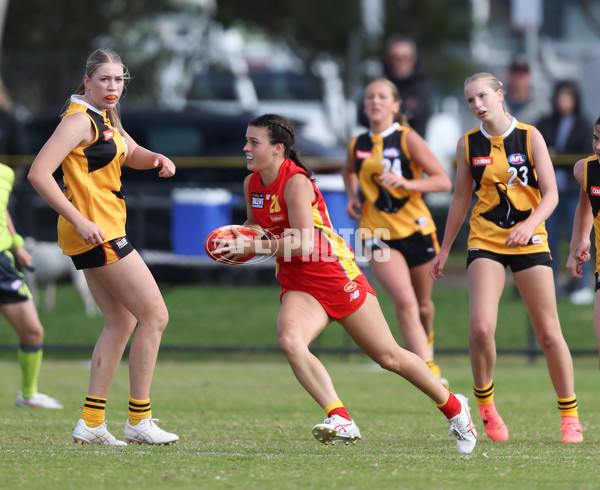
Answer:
(321, 282)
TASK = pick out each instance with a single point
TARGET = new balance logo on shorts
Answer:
(354, 295)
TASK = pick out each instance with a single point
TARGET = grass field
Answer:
(209, 315)
(245, 424)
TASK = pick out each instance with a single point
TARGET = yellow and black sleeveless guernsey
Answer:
(92, 180)
(591, 185)
(506, 188)
(401, 212)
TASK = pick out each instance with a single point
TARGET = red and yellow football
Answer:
(213, 242)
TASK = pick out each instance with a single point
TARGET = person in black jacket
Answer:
(403, 67)
(566, 131)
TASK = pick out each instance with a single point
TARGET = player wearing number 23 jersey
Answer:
(506, 188)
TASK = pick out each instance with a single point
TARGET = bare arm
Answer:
(436, 180)
(522, 233)
(457, 212)
(297, 241)
(579, 248)
(141, 158)
(73, 131)
(351, 184)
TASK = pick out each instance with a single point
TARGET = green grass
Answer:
(245, 421)
(246, 425)
(207, 315)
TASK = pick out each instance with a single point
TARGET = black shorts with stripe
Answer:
(104, 254)
(417, 249)
(516, 262)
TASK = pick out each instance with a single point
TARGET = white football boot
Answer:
(336, 429)
(147, 432)
(39, 400)
(461, 426)
(82, 434)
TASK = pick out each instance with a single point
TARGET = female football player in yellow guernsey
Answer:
(515, 190)
(91, 145)
(320, 282)
(587, 214)
(387, 163)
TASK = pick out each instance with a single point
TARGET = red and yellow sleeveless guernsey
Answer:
(591, 185)
(332, 259)
(92, 180)
(506, 189)
(401, 212)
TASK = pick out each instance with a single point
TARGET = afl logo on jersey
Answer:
(391, 152)
(351, 286)
(477, 161)
(595, 190)
(517, 159)
(361, 154)
(108, 134)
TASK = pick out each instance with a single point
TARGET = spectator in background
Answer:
(404, 68)
(523, 102)
(566, 131)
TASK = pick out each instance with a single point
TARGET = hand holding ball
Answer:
(219, 238)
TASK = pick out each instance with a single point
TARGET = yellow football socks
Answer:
(485, 394)
(433, 367)
(138, 410)
(568, 406)
(94, 411)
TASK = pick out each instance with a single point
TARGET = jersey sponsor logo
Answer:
(361, 154)
(354, 295)
(349, 287)
(391, 152)
(517, 159)
(536, 240)
(277, 218)
(477, 161)
(257, 200)
(422, 221)
(595, 190)
(108, 134)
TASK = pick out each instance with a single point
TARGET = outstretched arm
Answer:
(141, 158)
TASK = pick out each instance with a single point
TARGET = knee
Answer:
(480, 332)
(290, 345)
(158, 320)
(549, 339)
(32, 334)
(390, 361)
(426, 308)
(406, 300)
